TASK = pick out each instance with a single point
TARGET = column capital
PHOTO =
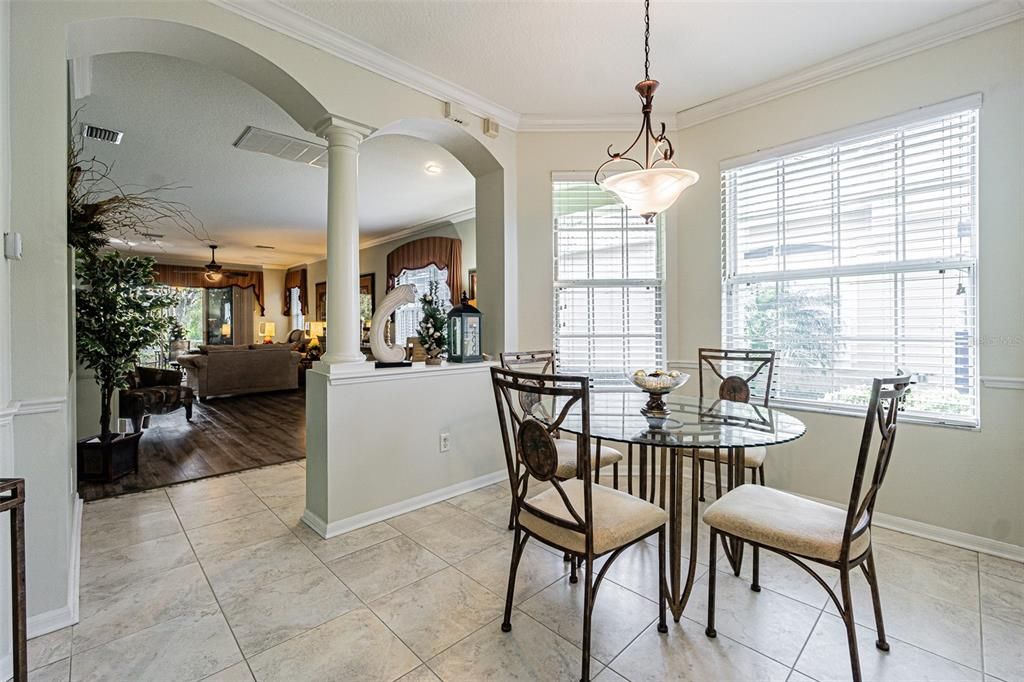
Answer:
(332, 125)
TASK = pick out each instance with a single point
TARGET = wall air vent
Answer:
(102, 134)
(255, 139)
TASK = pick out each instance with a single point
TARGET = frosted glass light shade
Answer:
(649, 192)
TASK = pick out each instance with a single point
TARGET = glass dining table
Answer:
(726, 427)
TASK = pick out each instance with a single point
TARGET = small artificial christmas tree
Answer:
(433, 329)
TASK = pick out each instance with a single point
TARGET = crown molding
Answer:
(456, 217)
(293, 24)
(962, 25)
(271, 14)
(540, 123)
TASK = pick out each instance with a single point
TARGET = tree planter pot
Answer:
(434, 360)
(106, 461)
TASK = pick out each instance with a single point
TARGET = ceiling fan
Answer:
(213, 268)
(215, 272)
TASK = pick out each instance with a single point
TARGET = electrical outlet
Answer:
(446, 441)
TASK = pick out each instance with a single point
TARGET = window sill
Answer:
(859, 412)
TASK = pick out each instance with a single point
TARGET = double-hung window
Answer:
(856, 256)
(609, 284)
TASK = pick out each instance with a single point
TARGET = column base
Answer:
(342, 358)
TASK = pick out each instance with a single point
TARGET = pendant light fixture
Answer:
(213, 268)
(658, 182)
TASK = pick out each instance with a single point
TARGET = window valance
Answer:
(296, 278)
(190, 276)
(443, 252)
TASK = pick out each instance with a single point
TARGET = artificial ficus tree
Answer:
(119, 313)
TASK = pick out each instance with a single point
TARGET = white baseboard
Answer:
(330, 530)
(947, 536)
(59, 618)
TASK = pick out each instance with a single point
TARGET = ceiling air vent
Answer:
(264, 246)
(255, 139)
(102, 134)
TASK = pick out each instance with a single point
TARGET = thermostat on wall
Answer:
(12, 245)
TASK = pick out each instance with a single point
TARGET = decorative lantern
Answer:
(464, 332)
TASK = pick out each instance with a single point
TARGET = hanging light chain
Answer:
(647, 40)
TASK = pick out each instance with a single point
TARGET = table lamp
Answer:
(268, 330)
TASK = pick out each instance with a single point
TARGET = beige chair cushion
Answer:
(783, 521)
(619, 518)
(752, 457)
(567, 457)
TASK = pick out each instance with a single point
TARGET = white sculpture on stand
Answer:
(399, 296)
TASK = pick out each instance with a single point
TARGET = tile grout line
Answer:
(342, 582)
(808, 641)
(216, 599)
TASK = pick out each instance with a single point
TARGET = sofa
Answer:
(239, 370)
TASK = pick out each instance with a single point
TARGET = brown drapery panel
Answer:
(189, 276)
(295, 279)
(443, 252)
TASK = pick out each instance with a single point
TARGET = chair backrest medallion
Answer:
(756, 367)
(529, 442)
(535, 361)
(885, 404)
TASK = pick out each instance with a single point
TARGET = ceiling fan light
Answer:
(651, 191)
(213, 276)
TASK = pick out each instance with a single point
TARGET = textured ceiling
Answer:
(578, 58)
(180, 120)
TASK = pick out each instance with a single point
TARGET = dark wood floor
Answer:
(225, 435)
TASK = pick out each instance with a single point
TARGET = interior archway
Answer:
(127, 34)
(493, 262)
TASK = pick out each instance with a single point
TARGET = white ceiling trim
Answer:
(538, 123)
(300, 27)
(456, 217)
(976, 20)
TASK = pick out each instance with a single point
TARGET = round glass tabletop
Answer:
(694, 422)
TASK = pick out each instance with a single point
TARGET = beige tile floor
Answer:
(219, 580)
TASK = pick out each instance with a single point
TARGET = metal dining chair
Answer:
(803, 530)
(758, 370)
(577, 516)
(543, 362)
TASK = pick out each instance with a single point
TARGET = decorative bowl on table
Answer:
(657, 383)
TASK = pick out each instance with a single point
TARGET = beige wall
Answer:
(273, 300)
(966, 480)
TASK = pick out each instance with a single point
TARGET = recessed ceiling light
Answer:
(432, 168)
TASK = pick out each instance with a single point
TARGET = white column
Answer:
(342, 243)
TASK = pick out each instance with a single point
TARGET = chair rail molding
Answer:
(39, 405)
(1013, 383)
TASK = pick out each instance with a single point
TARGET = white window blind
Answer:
(298, 320)
(407, 317)
(856, 258)
(609, 281)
